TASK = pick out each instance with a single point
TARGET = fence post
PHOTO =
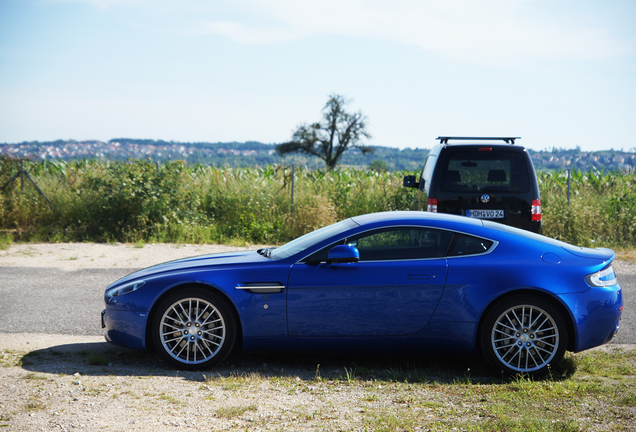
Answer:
(22, 173)
(292, 190)
(568, 187)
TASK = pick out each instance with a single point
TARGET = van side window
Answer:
(427, 172)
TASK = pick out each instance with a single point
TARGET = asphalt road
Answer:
(52, 301)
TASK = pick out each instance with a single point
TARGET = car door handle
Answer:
(418, 276)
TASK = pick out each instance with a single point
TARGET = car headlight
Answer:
(603, 278)
(125, 289)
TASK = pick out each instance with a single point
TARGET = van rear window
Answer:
(493, 171)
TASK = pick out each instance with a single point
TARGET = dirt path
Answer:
(74, 256)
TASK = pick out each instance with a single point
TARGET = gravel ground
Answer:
(63, 382)
(57, 388)
(75, 256)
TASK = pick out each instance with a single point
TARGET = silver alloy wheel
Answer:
(192, 330)
(525, 338)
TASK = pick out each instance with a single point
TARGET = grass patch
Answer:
(170, 399)
(8, 359)
(235, 380)
(627, 255)
(528, 425)
(96, 359)
(591, 390)
(235, 411)
(614, 364)
(6, 240)
(32, 376)
(35, 405)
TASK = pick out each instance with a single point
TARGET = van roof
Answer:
(509, 140)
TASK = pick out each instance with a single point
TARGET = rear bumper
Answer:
(596, 314)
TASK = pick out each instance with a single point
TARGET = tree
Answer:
(328, 139)
(378, 165)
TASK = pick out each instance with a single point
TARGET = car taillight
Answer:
(431, 205)
(603, 278)
(536, 210)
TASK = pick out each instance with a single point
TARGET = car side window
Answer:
(468, 245)
(401, 244)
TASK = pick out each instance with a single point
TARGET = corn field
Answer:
(138, 201)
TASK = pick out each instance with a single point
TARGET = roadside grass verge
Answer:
(593, 390)
(628, 256)
(588, 391)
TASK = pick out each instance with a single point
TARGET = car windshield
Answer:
(308, 240)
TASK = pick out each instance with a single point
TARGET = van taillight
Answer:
(431, 205)
(536, 210)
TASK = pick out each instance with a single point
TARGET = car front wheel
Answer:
(524, 335)
(194, 329)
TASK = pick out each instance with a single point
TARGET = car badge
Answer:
(485, 198)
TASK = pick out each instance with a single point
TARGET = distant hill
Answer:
(254, 153)
(608, 160)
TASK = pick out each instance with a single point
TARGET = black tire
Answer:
(524, 334)
(194, 329)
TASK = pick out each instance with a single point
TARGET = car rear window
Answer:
(485, 171)
(468, 245)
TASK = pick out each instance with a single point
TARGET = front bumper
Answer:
(125, 328)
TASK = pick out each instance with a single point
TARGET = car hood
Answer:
(602, 254)
(210, 260)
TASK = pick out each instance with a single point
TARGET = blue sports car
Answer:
(390, 282)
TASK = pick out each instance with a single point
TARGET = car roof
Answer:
(407, 217)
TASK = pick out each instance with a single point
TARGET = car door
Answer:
(393, 290)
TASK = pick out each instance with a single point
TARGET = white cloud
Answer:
(455, 28)
(485, 30)
(254, 34)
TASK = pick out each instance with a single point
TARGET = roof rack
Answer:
(509, 140)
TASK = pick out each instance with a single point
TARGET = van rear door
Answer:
(485, 182)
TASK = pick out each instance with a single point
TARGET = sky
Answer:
(557, 73)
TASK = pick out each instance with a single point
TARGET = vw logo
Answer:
(485, 198)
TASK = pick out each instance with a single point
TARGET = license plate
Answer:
(485, 214)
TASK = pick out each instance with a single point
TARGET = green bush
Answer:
(140, 201)
(601, 212)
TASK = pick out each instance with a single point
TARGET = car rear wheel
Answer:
(194, 329)
(524, 335)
